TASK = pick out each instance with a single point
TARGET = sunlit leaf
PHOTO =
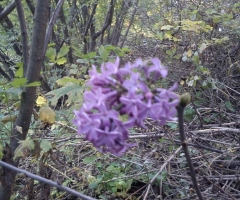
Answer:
(41, 101)
(61, 61)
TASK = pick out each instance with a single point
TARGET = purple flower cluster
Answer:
(120, 98)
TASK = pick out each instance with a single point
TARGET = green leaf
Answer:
(74, 92)
(217, 19)
(126, 50)
(173, 126)
(90, 55)
(169, 52)
(24, 148)
(229, 106)
(63, 51)
(52, 44)
(1, 152)
(104, 53)
(210, 11)
(51, 54)
(61, 61)
(89, 159)
(78, 52)
(18, 82)
(19, 64)
(63, 81)
(33, 84)
(178, 56)
(19, 72)
(45, 145)
(93, 185)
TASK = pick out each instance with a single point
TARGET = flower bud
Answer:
(185, 99)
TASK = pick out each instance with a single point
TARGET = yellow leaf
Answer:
(189, 53)
(41, 101)
(182, 82)
(46, 114)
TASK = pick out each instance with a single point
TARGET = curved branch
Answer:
(108, 20)
(7, 10)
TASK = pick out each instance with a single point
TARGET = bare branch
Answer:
(7, 10)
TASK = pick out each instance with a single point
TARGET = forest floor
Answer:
(156, 168)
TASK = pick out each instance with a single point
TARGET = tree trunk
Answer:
(28, 95)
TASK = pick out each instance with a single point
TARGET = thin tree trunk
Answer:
(130, 24)
(27, 97)
(23, 26)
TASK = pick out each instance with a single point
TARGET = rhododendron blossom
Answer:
(123, 91)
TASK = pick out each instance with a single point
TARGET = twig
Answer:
(217, 129)
(198, 114)
(220, 189)
(201, 147)
(224, 177)
(161, 169)
(47, 181)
